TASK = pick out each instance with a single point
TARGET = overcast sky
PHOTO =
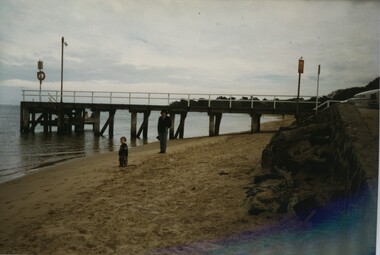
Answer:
(205, 46)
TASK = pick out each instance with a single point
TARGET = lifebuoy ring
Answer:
(41, 75)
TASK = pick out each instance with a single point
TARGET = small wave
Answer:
(58, 153)
(52, 162)
(10, 171)
(20, 171)
(11, 175)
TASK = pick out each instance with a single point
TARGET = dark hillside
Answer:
(345, 94)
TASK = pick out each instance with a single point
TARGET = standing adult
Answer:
(164, 123)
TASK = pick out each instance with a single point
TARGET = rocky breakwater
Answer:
(313, 169)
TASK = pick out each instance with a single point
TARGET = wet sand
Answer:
(89, 205)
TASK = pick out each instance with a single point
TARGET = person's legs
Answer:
(163, 140)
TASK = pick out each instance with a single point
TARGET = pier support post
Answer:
(214, 123)
(96, 125)
(211, 128)
(171, 132)
(32, 128)
(218, 120)
(69, 121)
(109, 124)
(181, 127)
(144, 126)
(36, 122)
(51, 122)
(133, 125)
(112, 122)
(60, 120)
(46, 122)
(146, 122)
(24, 119)
(255, 122)
(79, 120)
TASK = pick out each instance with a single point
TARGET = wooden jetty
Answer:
(45, 109)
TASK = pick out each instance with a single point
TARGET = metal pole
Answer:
(300, 70)
(40, 89)
(298, 95)
(63, 42)
(316, 100)
(40, 74)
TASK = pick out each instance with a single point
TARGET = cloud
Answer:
(239, 46)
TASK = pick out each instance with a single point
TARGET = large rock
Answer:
(296, 173)
(306, 208)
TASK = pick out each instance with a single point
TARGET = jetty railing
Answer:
(326, 104)
(154, 98)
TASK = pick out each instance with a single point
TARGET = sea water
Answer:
(21, 153)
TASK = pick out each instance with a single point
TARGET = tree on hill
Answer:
(344, 94)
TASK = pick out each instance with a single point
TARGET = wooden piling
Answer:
(112, 123)
(33, 122)
(109, 123)
(24, 119)
(211, 129)
(171, 131)
(96, 125)
(60, 120)
(79, 120)
(133, 125)
(45, 122)
(214, 123)
(255, 122)
(146, 122)
(217, 122)
(144, 126)
(181, 127)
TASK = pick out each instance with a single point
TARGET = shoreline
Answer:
(26, 168)
(89, 205)
(53, 163)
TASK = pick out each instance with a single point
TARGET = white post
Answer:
(92, 97)
(110, 97)
(63, 44)
(209, 100)
(74, 96)
(168, 99)
(274, 104)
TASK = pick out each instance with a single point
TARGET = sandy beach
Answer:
(89, 205)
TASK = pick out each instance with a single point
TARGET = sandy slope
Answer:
(88, 205)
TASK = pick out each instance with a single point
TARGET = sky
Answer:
(248, 47)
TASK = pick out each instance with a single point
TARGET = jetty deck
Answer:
(48, 109)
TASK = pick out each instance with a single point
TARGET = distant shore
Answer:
(89, 205)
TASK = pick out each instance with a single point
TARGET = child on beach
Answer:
(123, 152)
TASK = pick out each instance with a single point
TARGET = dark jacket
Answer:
(123, 151)
(163, 123)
